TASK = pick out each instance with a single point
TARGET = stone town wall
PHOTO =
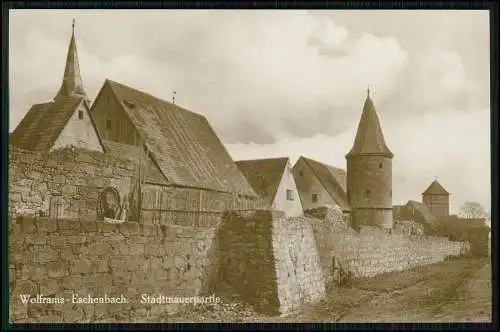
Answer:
(79, 176)
(270, 260)
(372, 251)
(275, 263)
(58, 258)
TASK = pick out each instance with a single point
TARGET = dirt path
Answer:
(471, 302)
(455, 298)
(453, 291)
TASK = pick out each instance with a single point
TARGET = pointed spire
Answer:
(369, 137)
(72, 84)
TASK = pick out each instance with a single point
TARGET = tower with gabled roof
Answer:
(437, 199)
(369, 173)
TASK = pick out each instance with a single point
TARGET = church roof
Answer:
(43, 124)
(369, 137)
(182, 143)
(333, 179)
(264, 175)
(72, 84)
(435, 188)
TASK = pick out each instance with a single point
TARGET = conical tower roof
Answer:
(72, 85)
(435, 188)
(369, 137)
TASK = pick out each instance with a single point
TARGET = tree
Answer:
(472, 210)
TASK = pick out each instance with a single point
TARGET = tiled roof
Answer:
(264, 175)
(435, 188)
(369, 137)
(333, 179)
(43, 124)
(126, 151)
(419, 212)
(396, 210)
(182, 143)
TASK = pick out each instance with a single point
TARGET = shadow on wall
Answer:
(244, 252)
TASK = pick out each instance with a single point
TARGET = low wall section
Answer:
(58, 258)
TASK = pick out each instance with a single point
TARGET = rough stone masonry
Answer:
(62, 257)
(277, 264)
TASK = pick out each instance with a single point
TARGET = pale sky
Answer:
(289, 83)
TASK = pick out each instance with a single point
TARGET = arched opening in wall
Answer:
(368, 192)
(379, 165)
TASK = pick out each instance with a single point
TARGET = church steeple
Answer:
(369, 137)
(72, 85)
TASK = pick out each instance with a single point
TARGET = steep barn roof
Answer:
(264, 175)
(419, 212)
(43, 124)
(369, 137)
(435, 188)
(152, 173)
(182, 143)
(396, 211)
(333, 179)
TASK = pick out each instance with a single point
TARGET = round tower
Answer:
(437, 199)
(369, 173)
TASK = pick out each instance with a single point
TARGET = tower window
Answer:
(289, 195)
(108, 124)
(368, 191)
(301, 173)
(379, 165)
(80, 115)
(315, 198)
(391, 193)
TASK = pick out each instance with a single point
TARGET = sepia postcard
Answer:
(249, 166)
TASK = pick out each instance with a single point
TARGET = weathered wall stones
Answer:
(66, 183)
(372, 251)
(274, 263)
(128, 259)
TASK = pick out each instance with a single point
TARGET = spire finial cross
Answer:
(173, 96)
(73, 25)
(368, 91)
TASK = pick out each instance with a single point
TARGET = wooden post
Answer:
(200, 217)
(139, 189)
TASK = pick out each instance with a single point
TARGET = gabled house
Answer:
(272, 179)
(320, 185)
(179, 145)
(419, 213)
(65, 121)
